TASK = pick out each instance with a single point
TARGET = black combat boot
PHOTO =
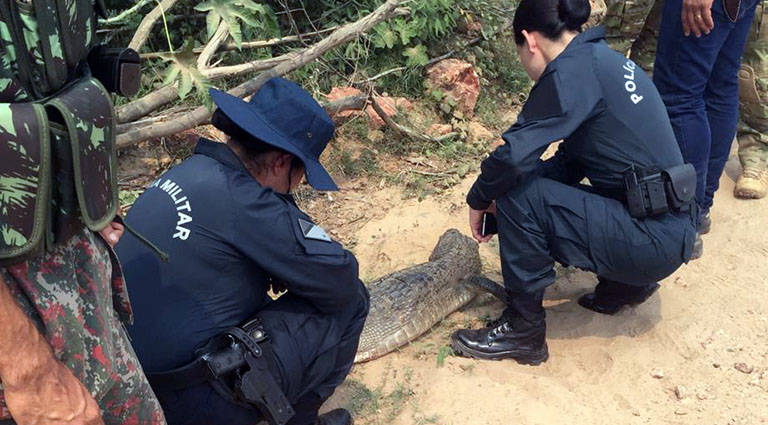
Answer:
(610, 296)
(519, 334)
(335, 417)
(705, 222)
(306, 413)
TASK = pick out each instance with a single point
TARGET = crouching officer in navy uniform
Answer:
(216, 347)
(633, 225)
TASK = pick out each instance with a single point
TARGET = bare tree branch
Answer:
(258, 44)
(122, 16)
(210, 49)
(257, 65)
(147, 104)
(399, 128)
(145, 27)
(200, 115)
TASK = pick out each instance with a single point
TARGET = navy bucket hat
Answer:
(284, 115)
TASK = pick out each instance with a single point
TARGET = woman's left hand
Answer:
(476, 222)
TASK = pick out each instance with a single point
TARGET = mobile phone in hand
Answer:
(489, 224)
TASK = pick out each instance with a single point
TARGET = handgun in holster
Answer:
(257, 385)
(118, 69)
(239, 364)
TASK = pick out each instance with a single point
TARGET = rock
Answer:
(458, 81)
(716, 365)
(744, 368)
(476, 133)
(437, 130)
(657, 373)
(681, 392)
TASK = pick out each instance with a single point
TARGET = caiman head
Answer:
(455, 246)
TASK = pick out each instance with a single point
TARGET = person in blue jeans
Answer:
(696, 73)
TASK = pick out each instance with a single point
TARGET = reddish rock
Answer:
(437, 130)
(457, 80)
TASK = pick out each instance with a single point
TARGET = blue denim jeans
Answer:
(698, 81)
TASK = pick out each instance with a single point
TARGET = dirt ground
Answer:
(695, 353)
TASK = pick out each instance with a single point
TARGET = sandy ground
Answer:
(695, 353)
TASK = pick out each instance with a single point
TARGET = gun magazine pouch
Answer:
(57, 169)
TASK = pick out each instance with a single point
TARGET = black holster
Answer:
(240, 366)
(652, 191)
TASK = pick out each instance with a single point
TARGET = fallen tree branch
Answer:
(210, 49)
(255, 66)
(350, 103)
(405, 131)
(200, 115)
(149, 21)
(258, 44)
(165, 95)
(147, 104)
(122, 16)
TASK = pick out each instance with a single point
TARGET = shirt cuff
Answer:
(475, 202)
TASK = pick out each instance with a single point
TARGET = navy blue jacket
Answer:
(606, 109)
(227, 238)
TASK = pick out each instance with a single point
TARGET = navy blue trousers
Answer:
(543, 221)
(314, 355)
(698, 81)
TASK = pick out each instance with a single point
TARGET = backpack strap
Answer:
(10, 16)
(25, 181)
(50, 43)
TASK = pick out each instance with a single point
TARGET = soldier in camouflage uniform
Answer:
(64, 357)
(629, 25)
(753, 128)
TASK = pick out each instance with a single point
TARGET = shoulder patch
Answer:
(312, 231)
(544, 100)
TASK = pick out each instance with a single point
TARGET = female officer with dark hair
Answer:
(632, 226)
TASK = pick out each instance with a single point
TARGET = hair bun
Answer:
(574, 13)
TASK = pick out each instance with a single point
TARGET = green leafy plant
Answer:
(232, 12)
(183, 67)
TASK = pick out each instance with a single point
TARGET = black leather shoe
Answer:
(613, 300)
(705, 222)
(335, 417)
(698, 248)
(511, 339)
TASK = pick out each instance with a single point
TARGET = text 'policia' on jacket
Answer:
(57, 127)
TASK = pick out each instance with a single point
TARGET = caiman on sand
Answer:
(408, 302)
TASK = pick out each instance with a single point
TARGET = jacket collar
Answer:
(589, 36)
(220, 152)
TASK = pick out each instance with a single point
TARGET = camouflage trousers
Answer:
(72, 295)
(753, 96)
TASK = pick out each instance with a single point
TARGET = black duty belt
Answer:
(241, 366)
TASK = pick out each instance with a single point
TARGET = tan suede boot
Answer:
(752, 184)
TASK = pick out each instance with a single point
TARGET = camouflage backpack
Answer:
(57, 128)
